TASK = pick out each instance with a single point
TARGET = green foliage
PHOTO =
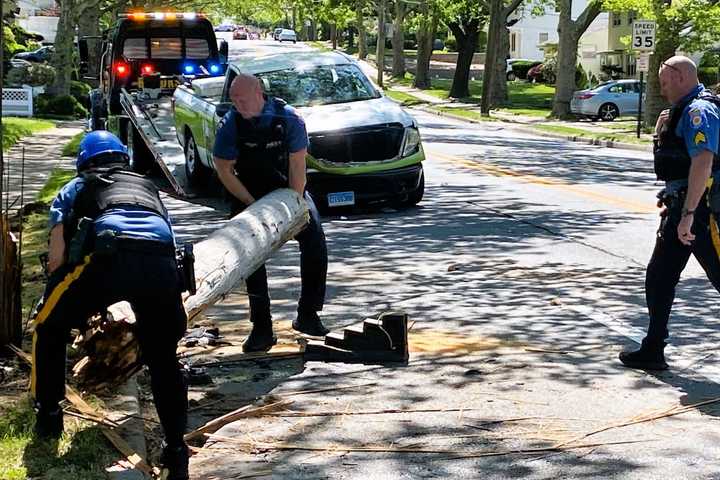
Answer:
(710, 59)
(72, 148)
(58, 178)
(10, 45)
(708, 75)
(15, 128)
(35, 75)
(520, 68)
(81, 92)
(65, 105)
(451, 44)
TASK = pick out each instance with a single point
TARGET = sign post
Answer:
(643, 41)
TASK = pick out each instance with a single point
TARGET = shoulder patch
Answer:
(700, 138)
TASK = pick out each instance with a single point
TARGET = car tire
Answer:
(511, 77)
(608, 112)
(294, 42)
(416, 196)
(141, 160)
(195, 171)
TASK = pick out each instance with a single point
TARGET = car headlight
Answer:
(411, 142)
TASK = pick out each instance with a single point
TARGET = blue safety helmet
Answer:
(98, 147)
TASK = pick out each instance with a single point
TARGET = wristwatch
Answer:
(686, 213)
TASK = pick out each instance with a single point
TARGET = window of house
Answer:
(513, 42)
(543, 37)
(617, 19)
(631, 17)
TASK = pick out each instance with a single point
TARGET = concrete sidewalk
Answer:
(42, 153)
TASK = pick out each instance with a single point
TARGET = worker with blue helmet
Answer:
(111, 240)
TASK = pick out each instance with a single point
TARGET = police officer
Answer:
(260, 146)
(111, 240)
(686, 154)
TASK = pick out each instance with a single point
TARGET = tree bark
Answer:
(569, 33)
(362, 34)
(380, 47)
(667, 39)
(89, 26)
(467, 40)
(62, 59)
(333, 35)
(10, 286)
(424, 37)
(222, 262)
(398, 40)
(499, 89)
(351, 37)
(497, 23)
(325, 30)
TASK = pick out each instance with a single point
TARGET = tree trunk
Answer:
(294, 18)
(351, 38)
(569, 32)
(62, 59)
(380, 47)
(10, 286)
(499, 90)
(362, 34)
(667, 38)
(467, 40)
(333, 35)
(89, 26)
(313, 30)
(424, 48)
(398, 41)
(324, 30)
(222, 262)
(497, 23)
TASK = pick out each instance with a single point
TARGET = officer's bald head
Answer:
(247, 95)
(678, 77)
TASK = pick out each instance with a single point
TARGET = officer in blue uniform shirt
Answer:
(260, 146)
(111, 240)
(686, 155)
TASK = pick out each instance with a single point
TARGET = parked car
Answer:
(254, 36)
(364, 148)
(41, 55)
(607, 101)
(240, 34)
(509, 70)
(225, 28)
(287, 35)
(276, 33)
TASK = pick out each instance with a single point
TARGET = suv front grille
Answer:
(358, 144)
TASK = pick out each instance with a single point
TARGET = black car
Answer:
(41, 55)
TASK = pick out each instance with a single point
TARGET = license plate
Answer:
(169, 83)
(341, 199)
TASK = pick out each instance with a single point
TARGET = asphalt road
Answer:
(522, 270)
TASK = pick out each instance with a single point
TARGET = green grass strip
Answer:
(14, 128)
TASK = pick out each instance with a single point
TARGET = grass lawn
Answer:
(405, 99)
(14, 128)
(71, 149)
(464, 113)
(82, 453)
(579, 132)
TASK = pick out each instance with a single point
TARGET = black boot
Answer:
(49, 422)
(176, 461)
(647, 357)
(261, 338)
(309, 323)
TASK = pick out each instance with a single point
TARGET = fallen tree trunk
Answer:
(222, 262)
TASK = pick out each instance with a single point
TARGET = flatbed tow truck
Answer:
(143, 57)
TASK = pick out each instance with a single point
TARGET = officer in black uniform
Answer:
(686, 155)
(260, 146)
(111, 240)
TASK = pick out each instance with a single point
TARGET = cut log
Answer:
(222, 262)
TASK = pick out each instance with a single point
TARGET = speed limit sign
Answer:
(643, 38)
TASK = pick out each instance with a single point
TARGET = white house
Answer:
(39, 16)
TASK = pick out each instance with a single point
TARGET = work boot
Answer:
(176, 461)
(49, 423)
(309, 323)
(261, 338)
(647, 357)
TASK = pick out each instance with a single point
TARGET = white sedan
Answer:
(287, 35)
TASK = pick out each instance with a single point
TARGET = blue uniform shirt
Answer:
(131, 222)
(699, 125)
(226, 137)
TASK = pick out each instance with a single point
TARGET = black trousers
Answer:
(151, 284)
(669, 260)
(313, 272)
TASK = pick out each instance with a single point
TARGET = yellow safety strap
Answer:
(714, 231)
(48, 307)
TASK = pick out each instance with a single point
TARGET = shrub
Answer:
(81, 92)
(581, 78)
(520, 68)
(35, 75)
(710, 59)
(451, 44)
(548, 70)
(410, 43)
(64, 105)
(708, 75)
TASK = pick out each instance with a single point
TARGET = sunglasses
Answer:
(664, 64)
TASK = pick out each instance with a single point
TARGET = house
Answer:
(39, 16)
(618, 53)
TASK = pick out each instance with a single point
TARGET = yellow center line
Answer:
(634, 207)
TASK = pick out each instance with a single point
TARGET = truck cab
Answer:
(148, 51)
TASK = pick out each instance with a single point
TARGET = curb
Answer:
(540, 133)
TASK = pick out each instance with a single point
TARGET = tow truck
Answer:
(143, 57)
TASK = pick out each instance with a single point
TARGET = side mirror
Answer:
(222, 108)
(224, 51)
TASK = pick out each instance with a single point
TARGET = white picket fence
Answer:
(17, 102)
